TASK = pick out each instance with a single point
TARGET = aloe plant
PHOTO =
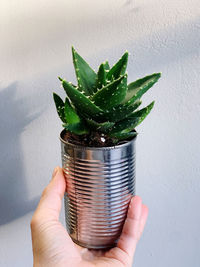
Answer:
(103, 102)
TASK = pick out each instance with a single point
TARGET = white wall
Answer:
(35, 41)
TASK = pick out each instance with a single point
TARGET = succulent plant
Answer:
(103, 102)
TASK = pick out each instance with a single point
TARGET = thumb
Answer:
(50, 240)
(51, 201)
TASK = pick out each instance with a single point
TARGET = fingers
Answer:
(50, 240)
(143, 219)
(50, 203)
(131, 229)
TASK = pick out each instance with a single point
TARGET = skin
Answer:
(52, 246)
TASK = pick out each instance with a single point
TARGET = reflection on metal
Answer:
(100, 183)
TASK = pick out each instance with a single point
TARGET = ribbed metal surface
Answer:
(100, 183)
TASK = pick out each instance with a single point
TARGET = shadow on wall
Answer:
(14, 118)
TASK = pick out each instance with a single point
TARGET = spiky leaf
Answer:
(80, 101)
(60, 79)
(70, 114)
(111, 94)
(102, 127)
(138, 88)
(77, 128)
(59, 106)
(106, 66)
(101, 77)
(114, 114)
(118, 69)
(86, 76)
(120, 112)
(133, 120)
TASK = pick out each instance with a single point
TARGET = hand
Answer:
(53, 247)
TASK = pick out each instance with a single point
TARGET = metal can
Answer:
(100, 183)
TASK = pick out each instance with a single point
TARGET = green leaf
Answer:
(123, 136)
(138, 88)
(142, 113)
(81, 102)
(125, 125)
(120, 112)
(86, 76)
(70, 114)
(101, 77)
(106, 66)
(70, 83)
(59, 106)
(98, 126)
(118, 69)
(133, 120)
(77, 128)
(111, 94)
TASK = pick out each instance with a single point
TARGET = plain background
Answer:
(35, 48)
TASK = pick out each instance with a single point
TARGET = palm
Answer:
(100, 257)
(58, 248)
(52, 246)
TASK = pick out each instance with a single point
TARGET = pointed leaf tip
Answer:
(86, 76)
(70, 113)
(133, 120)
(101, 78)
(59, 106)
(119, 68)
(139, 87)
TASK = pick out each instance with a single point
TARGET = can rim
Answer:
(126, 143)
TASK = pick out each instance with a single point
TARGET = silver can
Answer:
(100, 183)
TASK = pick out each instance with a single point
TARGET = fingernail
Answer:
(55, 172)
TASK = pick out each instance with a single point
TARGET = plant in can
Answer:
(103, 106)
(99, 117)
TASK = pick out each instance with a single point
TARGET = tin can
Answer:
(100, 183)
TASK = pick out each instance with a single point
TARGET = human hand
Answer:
(53, 247)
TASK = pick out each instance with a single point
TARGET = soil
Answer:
(93, 139)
